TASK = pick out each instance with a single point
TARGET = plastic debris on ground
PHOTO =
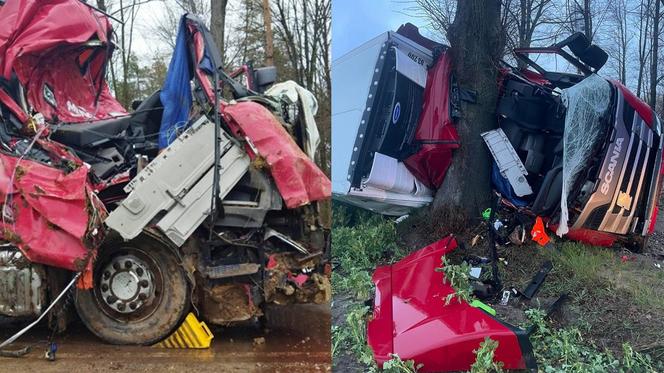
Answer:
(191, 334)
(505, 297)
(539, 232)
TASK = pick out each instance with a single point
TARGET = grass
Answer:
(566, 350)
(360, 242)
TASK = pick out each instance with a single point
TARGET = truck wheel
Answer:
(638, 244)
(140, 293)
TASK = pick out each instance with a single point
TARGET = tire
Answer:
(140, 294)
(638, 244)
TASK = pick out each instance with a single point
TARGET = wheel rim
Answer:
(128, 284)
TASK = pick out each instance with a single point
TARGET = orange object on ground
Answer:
(539, 233)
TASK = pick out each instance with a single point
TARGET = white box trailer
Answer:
(377, 94)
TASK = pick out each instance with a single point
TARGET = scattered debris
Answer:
(505, 298)
(537, 280)
(50, 351)
(539, 232)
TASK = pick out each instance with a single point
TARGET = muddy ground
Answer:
(296, 339)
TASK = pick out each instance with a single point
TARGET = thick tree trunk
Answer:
(476, 42)
(218, 23)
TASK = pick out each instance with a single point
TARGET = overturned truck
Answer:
(206, 195)
(581, 151)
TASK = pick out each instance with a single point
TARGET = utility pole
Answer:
(267, 21)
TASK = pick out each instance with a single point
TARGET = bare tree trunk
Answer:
(623, 43)
(652, 101)
(643, 42)
(588, 20)
(218, 23)
(476, 44)
(269, 44)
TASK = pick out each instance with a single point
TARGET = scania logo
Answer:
(613, 161)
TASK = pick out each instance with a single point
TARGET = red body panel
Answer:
(592, 237)
(298, 178)
(49, 217)
(410, 318)
(641, 107)
(435, 128)
(53, 215)
(41, 42)
(75, 94)
(534, 77)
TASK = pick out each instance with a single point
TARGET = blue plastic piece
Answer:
(503, 186)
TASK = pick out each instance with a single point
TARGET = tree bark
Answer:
(269, 44)
(652, 101)
(476, 42)
(644, 29)
(588, 20)
(218, 23)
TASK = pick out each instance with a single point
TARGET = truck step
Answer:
(232, 270)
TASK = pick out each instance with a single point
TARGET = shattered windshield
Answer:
(586, 103)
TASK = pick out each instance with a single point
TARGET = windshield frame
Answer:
(522, 55)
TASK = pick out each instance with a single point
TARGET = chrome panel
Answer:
(22, 285)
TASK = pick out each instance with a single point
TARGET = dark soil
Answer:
(344, 361)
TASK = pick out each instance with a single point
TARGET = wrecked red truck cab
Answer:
(205, 197)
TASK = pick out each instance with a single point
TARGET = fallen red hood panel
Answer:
(51, 214)
(298, 178)
(435, 133)
(410, 318)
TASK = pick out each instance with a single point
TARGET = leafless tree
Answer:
(652, 98)
(302, 27)
(620, 37)
(644, 42)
